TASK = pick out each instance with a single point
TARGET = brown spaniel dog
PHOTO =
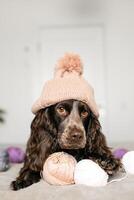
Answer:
(68, 126)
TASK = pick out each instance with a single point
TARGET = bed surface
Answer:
(123, 190)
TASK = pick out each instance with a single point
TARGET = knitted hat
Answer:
(67, 83)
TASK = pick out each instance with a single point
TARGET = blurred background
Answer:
(35, 33)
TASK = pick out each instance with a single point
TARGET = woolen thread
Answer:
(119, 153)
(16, 154)
(4, 160)
(59, 169)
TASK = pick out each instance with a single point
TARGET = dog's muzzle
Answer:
(73, 138)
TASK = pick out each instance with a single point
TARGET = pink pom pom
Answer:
(119, 153)
(16, 155)
(69, 63)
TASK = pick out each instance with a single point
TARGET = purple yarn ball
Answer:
(16, 155)
(119, 153)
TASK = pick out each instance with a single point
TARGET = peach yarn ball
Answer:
(59, 169)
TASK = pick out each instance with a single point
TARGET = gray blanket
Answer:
(123, 190)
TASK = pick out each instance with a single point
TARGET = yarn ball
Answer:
(128, 162)
(16, 154)
(119, 153)
(59, 169)
(89, 173)
(4, 161)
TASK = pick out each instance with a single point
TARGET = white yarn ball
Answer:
(89, 173)
(128, 162)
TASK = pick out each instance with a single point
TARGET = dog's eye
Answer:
(62, 111)
(84, 114)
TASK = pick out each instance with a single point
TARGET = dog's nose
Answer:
(77, 136)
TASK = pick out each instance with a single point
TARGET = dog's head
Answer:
(71, 118)
(70, 124)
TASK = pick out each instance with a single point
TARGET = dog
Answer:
(68, 126)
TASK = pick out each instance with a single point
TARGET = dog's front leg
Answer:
(26, 178)
(33, 165)
(107, 162)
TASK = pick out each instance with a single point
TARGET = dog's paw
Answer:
(18, 184)
(26, 180)
(111, 166)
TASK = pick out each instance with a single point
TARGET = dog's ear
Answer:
(40, 144)
(42, 140)
(44, 121)
(97, 149)
(96, 141)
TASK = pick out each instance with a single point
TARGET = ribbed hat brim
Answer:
(57, 90)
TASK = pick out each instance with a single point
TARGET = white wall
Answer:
(19, 24)
(120, 69)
